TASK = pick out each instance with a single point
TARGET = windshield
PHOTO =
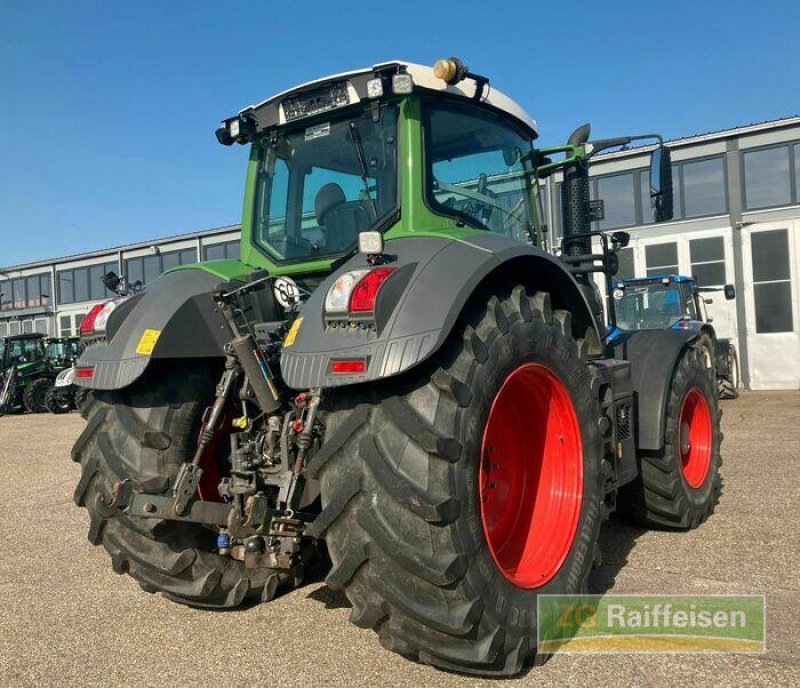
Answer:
(320, 186)
(477, 170)
(650, 306)
(55, 349)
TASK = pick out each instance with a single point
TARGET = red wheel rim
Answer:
(694, 428)
(531, 476)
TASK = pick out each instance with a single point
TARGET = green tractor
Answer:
(398, 367)
(23, 360)
(28, 365)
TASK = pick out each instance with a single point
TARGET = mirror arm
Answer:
(622, 141)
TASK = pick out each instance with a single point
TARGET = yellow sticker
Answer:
(148, 342)
(292, 334)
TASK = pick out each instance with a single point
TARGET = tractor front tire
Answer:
(58, 401)
(35, 395)
(679, 487)
(456, 494)
(143, 433)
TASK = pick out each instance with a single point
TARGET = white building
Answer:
(52, 296)
(737, 221)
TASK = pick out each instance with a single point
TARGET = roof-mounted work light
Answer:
(240, 129)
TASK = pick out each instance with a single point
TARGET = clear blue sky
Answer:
(108, 109)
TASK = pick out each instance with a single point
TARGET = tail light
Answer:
(95, 321)
(356, 291)
(87, 324)
(348, 366)
(362, 300)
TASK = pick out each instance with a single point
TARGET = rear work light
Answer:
(356, 291)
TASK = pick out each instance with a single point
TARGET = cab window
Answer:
(477, 170)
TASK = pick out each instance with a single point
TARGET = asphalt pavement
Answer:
(67, 619)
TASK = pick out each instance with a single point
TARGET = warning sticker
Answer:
(317, 131)
(148, 342)
(292, 334)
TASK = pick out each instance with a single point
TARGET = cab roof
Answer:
(270, 112)
(657, 278)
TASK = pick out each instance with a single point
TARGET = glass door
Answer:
(771, 299)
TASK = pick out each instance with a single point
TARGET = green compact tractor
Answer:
(397, 367)
(60, 354)
(23, 360)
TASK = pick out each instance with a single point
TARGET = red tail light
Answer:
(87, 324)
(362, 300)
(84, 371)
(357, 365)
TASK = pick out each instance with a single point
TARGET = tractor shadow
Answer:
(617, 539)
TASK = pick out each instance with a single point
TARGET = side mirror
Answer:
(613, 263)
(661, 183)
(730, 291)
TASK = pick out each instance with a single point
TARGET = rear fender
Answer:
(418, 306)
(175, 317)
(653, 355)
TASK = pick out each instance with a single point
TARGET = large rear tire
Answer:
(440, 485)
(143, 433)
(35, 395)
(81, 400)
(679, 487)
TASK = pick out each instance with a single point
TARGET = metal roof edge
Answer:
(116, 249)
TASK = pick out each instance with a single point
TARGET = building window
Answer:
(708, 261)
(145, 269)
(65, 325)
(796, 171)
(772, 285)
(703, 187)
(3, 329)
(84, 284)
(25, 292)
(768, 177)
(227, 250)
(619, 200)
(661, 259)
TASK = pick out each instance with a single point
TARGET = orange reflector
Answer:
(358, 365)
(85, 371)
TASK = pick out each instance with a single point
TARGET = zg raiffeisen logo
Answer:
(651, 623)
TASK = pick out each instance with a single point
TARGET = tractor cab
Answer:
(393, 148)
(21, 350)
(62, 352)
(661, 302)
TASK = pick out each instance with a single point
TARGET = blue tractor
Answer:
(676, 302)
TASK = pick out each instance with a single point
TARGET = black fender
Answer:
(653, 355)
(418, 305)
(175, 317)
